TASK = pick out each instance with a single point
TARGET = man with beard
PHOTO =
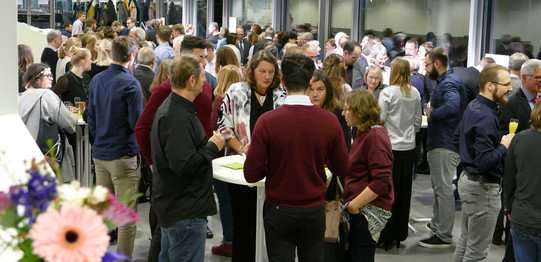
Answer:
(482, 153)
(446, 107)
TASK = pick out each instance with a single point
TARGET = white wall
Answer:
(8, 74)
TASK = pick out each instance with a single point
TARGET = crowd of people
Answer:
(172, 101)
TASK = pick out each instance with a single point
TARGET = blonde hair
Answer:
(78, 54)
(162, 73)
(91, 41)
(71, 42)
(227, 76)
(104, 52)
(536, 117)
(401, 76)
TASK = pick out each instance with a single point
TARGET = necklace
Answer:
(262, 96)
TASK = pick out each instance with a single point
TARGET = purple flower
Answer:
(36, 195)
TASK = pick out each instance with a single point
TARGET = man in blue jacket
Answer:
(447, 105)
(114, 105)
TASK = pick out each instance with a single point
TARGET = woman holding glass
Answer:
(74, 83)
(401, 110)
(243, 104)
(368, 189)
(44, 114)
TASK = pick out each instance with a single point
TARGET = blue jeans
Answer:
(527, 243)
(226, 214)
(184, 241)
(481, 204)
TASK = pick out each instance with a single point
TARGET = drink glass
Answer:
(81, 106)
(513, 125)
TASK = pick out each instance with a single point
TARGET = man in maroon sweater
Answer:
(190, 44)
(292, 160)
(196, 46)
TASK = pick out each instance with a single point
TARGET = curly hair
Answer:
(365, 107)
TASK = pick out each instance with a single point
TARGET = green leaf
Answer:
(126, 198)
(9, 218)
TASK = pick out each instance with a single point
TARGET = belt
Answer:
(482, 179)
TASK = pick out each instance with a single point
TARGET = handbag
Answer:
(332, 213)
(48, 138)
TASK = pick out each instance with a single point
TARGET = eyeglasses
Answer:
(319, 90)
(506, 84)
(538, 78)
(48, 75)
(429, 64)
(373, 78)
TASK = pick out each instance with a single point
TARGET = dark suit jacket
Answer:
(145, 76)
(362, 61)
(470, 78)
(246, 52)
(357, 80)
(519, 108)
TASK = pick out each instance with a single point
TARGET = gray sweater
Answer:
(522, 179)
(30, 113)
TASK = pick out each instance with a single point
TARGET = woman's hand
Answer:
(353, 209)
(244, 149)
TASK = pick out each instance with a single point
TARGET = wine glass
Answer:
(513, 125)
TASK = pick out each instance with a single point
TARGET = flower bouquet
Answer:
(62, 222)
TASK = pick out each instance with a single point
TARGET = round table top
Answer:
(235, 176)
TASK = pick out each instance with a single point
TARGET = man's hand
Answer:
(427, 112)
(218, 140)
(506, 140)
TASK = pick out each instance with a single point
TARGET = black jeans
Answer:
(287, 228)
(243, 206)
(361, 245)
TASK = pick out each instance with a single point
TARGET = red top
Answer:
(290, 146)
(371, 165)
(160, 93)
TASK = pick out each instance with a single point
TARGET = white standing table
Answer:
(82, 165)
(236, 176)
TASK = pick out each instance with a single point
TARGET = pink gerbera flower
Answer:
(73, 233)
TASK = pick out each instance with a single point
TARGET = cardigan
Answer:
(235, 119)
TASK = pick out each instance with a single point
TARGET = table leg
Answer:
(79, 154)
(87, 154)
(260, 230)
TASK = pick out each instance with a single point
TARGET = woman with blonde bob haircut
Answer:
(401, 110)
(373, 77)
(368, 190)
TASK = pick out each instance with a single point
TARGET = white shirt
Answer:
(77, 27)
(211, 67)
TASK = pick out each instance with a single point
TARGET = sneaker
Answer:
(430, 229)
(209, 233)
(434, 242)
(223, 250)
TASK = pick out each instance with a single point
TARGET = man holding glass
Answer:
(482, 154)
